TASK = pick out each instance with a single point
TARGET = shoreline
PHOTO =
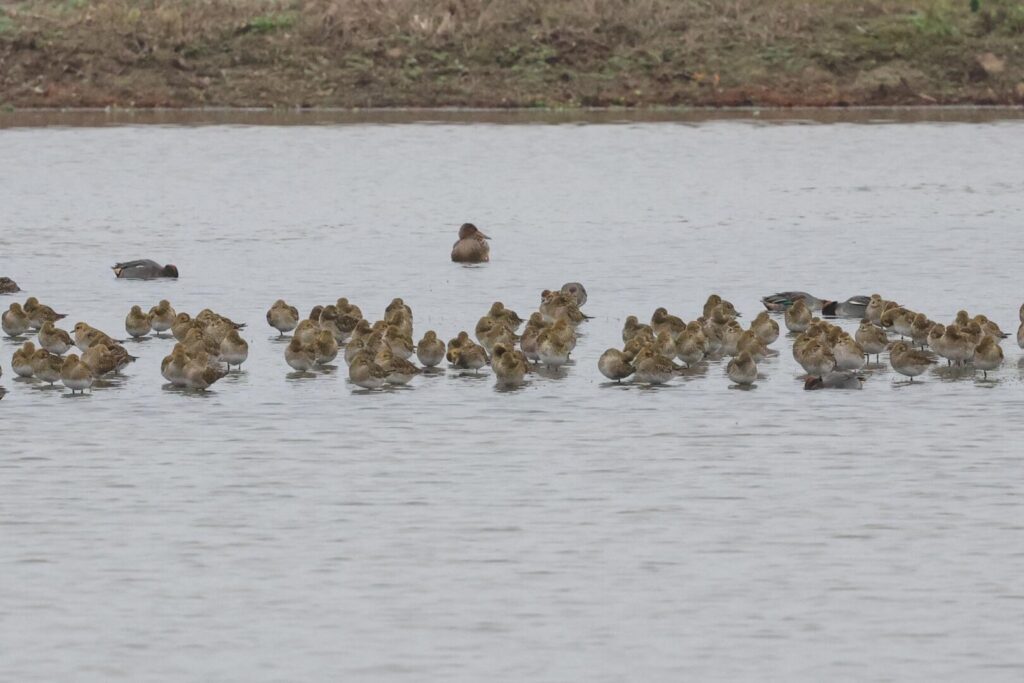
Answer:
(476, 54)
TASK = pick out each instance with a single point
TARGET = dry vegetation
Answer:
(509, 53)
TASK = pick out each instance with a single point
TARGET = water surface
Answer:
(282, 528)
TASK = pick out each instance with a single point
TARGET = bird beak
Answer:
(483, 235)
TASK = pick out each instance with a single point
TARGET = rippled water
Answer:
(289, 529)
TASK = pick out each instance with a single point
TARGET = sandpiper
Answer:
(430, 350)
(8, 286)
(137, 323)
(399, 370)
(162, 316)
(300, 356)
(305, 332)
(14, 321)
(468, 356)
(200, 374)
(510, 366)
(85, 336)
(691, 345)
(75, 375)
(325, 346)
(871, 338)
(662, 321)
(143, 269)
(363, 372)
(173, 366)
(632, 327)
(507, 315)
(920, 328)
(614, 365)
(766, 329)
(848, 353)
(234, 350)
(817, 359)
(283, 317)
(40, 313)
(797, 316)
(54, 339)
(742, 369)
(46, 366)
(21, 361)
(988, 355)
(652, 367)
(907, 361)
(471, 246)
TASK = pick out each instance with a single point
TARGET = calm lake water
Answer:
(284, 529)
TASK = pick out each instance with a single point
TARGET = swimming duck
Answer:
(363, 372)
(614, 365)
(510, 366)
(40, 313)
(742, 369)
(472, 246)
(75, 375)
(234, 350)
(577, 291)
(907, 361)
(8, 286)
(162, 316)
(300, 356)
(46, 366)
(137, 323)
(835, 380)
(430, 351)
(54, 339)
(143, 269)
(988, 355)
(283, 317)
(14, 321)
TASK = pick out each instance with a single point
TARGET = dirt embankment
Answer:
(509, 53)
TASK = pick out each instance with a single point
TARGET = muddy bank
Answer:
(472, 53)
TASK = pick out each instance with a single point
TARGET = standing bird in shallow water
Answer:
(300, 356)
(472, 246)
(54, 339)
(143, 269)
(137, 323)
(234, 350)
(614, 366)
(988, 355)
(162, 317)
(510, 366)
(907, 361)
(21, 361)
(283, 317)
(430, 350)
(75, 375)
(14, 321)
(742, 369)
(797, 316)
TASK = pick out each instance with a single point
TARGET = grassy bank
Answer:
(509, 53)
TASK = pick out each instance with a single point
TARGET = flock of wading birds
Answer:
(378, 354)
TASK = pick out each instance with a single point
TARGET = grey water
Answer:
(283, 528)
